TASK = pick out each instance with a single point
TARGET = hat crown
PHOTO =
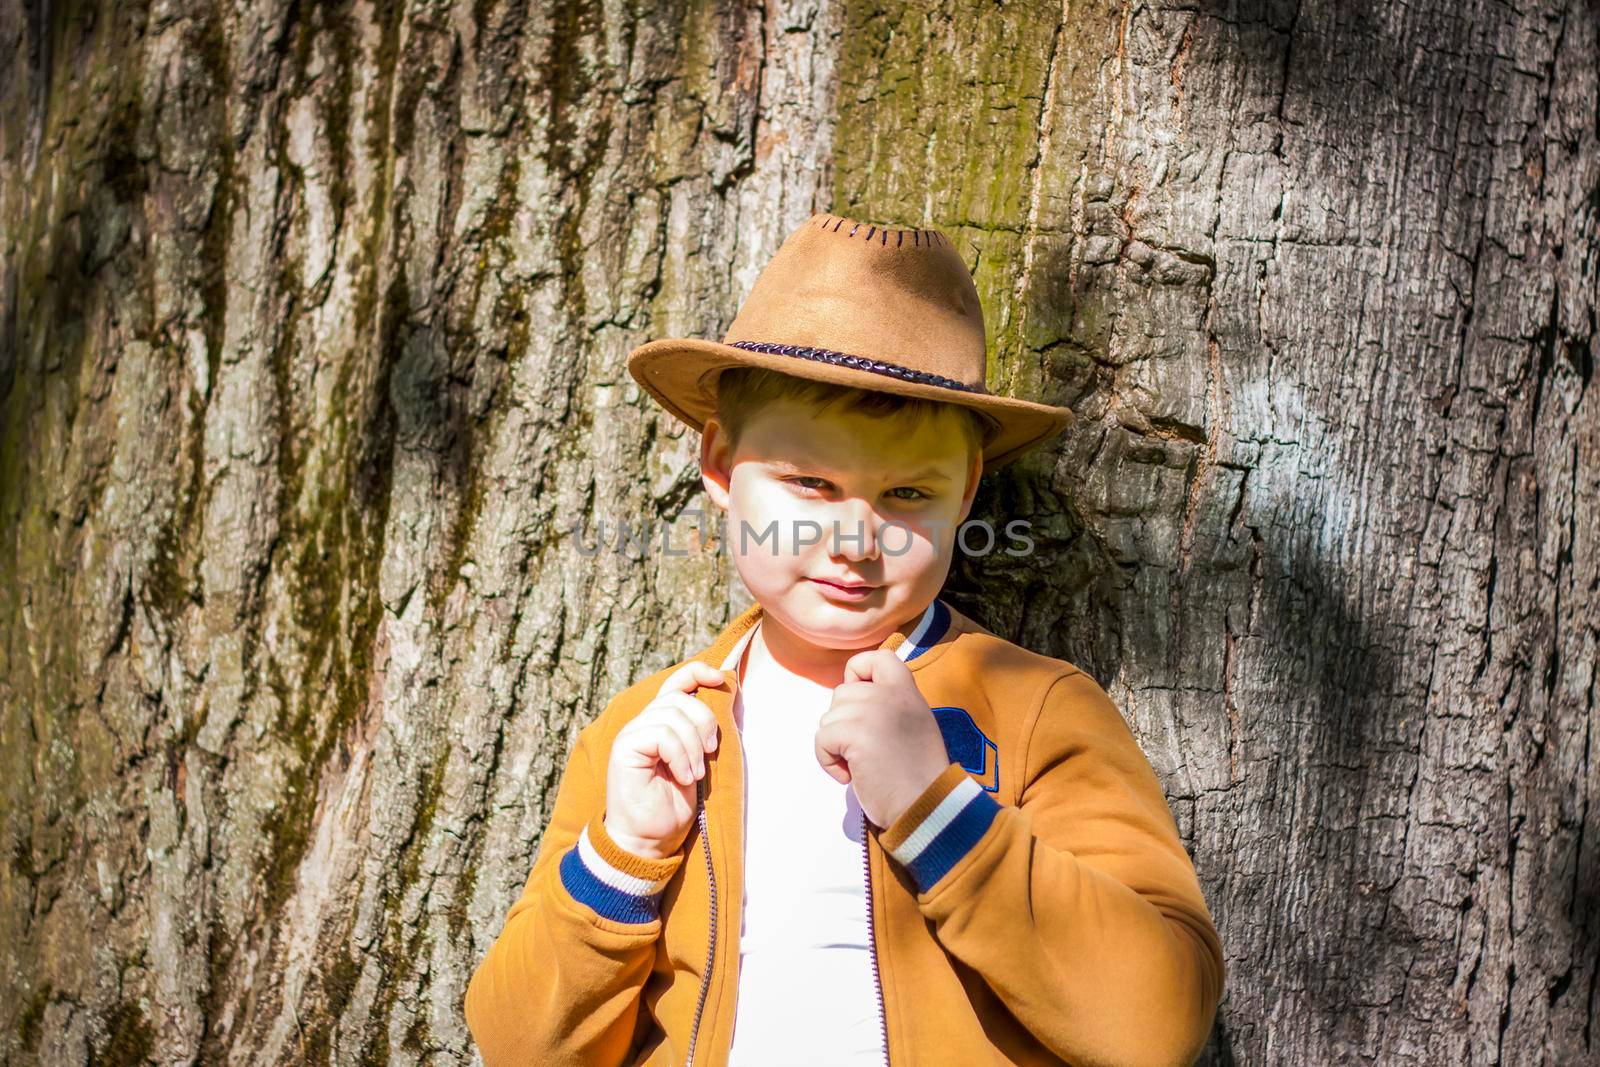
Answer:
(898, 295)
(854, 304)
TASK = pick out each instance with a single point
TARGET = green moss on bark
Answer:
(951, 105)
(337, 985)
(31, 1020)
(130, 1040)
(400, 956)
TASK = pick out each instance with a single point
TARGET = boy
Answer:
(913, 842)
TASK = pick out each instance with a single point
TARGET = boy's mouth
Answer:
(851, 589)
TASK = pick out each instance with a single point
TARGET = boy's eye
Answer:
(822, 483)
(808, 478)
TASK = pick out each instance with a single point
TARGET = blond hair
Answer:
(742, 391)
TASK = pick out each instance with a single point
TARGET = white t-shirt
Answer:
(806, 993)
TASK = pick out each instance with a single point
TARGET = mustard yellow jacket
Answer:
(1033, 906)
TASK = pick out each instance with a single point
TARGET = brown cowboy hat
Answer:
(892, 310)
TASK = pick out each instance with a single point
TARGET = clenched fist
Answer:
(648, 811)
(880, 735)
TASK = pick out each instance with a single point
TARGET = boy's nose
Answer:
(851, 531)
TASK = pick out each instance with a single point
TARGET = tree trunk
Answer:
(312, 356)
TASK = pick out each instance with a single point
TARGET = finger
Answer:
(853, 691)
(857, 701)
(829, 758)
(689, 677)
(870, 665)
(858, 668)
(702, 718)
(669, 749)
(687, 733)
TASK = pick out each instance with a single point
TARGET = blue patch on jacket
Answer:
(968, 746)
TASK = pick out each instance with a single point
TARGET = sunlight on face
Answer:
(893, 488)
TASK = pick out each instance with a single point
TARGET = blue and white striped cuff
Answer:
(614, 882)
(941, 826)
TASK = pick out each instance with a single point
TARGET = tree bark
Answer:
(314, 321)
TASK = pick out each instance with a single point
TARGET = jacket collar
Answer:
(908, 642)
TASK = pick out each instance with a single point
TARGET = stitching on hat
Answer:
(882, 233)
(844, 359)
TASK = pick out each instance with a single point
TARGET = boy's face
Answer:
(801, 470)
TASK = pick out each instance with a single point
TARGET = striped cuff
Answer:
(942, 825)
(616, 883)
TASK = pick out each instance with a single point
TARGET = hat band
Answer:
(876, 366)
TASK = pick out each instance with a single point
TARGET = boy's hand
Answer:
(880, 735)
(655, 762)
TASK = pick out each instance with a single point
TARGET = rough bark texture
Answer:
(313, 326)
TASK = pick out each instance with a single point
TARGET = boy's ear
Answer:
(715, 468)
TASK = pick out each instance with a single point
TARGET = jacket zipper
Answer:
(711, 952)
(872, 939)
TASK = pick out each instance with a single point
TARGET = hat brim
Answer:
(680, 373)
